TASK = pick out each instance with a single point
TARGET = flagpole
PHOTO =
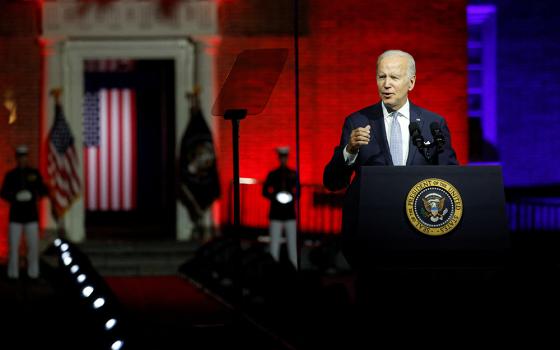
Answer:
(58, 220)
(199, 198)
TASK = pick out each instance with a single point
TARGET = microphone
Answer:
(416, 135)
(439, 139)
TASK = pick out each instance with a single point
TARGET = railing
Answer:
(533, 208)
(320, 209)
(534, 214)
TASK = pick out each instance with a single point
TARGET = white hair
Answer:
(411, 69)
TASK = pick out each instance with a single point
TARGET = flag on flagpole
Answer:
(200, 185)
(62, 165)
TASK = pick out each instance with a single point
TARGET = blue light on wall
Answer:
(481, 48)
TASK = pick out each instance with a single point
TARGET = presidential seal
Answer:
(434, 207)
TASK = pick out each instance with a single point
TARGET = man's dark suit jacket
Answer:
(337, 174)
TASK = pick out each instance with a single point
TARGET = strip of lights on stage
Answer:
(91, 293)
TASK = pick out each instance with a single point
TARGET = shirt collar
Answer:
(404, 110)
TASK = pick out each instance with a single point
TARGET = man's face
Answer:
(283, 158)
(393, 82)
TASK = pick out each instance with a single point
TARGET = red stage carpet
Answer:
(166, 295)
(167, 312)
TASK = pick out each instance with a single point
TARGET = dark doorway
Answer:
(150, 213)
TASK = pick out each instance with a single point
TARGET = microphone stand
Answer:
(427, 148)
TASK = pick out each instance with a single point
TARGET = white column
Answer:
(72, 102)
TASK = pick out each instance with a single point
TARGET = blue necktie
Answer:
(395, 143)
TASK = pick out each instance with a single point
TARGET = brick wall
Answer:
(20, 72)
(338, 47)
(338, 50)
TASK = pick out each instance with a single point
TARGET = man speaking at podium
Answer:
(390, 132)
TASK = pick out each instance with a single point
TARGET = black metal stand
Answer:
(235, 115)
(431, 149)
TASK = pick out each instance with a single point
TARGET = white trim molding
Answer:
(128, 18)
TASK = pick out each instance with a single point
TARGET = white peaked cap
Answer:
(22, 149)
(284, 150)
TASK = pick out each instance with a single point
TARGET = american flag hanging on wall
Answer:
(110, 150)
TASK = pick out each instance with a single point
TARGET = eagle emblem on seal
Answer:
(435, 206)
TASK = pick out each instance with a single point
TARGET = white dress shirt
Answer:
(404, 121)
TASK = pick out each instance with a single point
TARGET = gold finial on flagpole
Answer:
(56, 92)
(10, 104)
(193, 96)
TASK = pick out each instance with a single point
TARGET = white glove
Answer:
(23, 196)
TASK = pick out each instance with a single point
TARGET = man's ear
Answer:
(412, 82)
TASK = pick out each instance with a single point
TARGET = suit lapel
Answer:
(415, 117)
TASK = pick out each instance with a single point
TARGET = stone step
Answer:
(137, 270)
(138, 258)
(109, 247)
(126, 261)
